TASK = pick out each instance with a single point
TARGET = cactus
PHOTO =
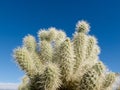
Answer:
(109, 79)
(25, 84)
(89, 80)
(59, 63)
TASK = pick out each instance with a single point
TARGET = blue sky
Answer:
(21, 17)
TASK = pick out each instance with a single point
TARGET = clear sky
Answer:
(21, 17)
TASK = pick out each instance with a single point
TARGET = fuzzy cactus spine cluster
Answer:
(59, 63)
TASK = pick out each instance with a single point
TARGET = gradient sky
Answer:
(21, 17)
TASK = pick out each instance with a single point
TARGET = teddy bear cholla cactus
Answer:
(59, 63)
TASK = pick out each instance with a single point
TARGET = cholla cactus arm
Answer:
(90, 46)
(52, 73)
(50, 79)
(89, 80)
(48, 35)
(24, 60)
(99, 68)
(79, 44)
(37, 61)
(52, 33)
(96, 52)
(91, 55)
(66, 60)
(92, 78)
(61, 36)
(43, 35)
(30, 43)
(85, 49)
(45, 51)
(109, 80)
(25, 84)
